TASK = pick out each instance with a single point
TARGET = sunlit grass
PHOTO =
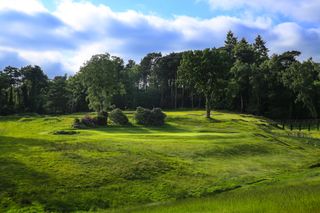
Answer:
(126, 167)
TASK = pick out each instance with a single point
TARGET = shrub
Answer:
(157, 117)
(101, 119)
(77, 124)
(153, 117)
(118, 117)
(88, 121)
(143, 116)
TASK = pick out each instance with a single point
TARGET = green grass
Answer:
(232, 163)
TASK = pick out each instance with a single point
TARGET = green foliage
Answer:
(157, 117)
(101, 119)
(89, 121)
(143, 116)
(57, 95)
(100, 77)
(206, 71)
(240, 76)
(118, 117)
(154, 117)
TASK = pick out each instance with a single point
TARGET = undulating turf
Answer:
(231, 163)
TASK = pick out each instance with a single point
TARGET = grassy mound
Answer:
(116, 167)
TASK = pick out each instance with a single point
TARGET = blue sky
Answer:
(60, 35)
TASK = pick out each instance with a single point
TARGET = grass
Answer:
(231, 163)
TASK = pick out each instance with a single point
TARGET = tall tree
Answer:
(241, 72)
(58, 95)
(147, 68)
(230, 43)
(204, 69)
(302, 78)
(260, 50)
(100, 75)
(34, 85)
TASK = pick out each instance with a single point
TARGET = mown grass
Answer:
(222, 161)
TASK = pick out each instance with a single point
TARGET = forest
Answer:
(239, 76)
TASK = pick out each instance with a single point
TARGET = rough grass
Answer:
(231, 163)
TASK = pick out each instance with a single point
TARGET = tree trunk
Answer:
(208, 107)
(182, 98)
(241, 100)
(175, 94)
(192, 101)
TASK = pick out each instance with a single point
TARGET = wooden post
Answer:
(299, 126)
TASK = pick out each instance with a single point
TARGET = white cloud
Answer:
(70, 35)
(26, 6)
(307, 10)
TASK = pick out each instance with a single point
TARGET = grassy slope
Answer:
(189, 157)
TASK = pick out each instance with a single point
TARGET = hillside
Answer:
(231, 162)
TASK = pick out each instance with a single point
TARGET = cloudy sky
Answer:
(60, 35)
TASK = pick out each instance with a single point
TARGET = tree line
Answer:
(239, 76)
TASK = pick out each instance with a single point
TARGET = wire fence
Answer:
(307, 124)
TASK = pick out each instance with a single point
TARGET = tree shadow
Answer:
(139, 129)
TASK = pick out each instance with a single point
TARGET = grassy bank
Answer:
(236, 161)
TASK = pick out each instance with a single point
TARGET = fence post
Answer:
(299, 126)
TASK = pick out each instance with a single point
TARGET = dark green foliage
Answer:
(101, 119)
(153, 117)
(143, 116)
(57, 95)
(118, 117)
(157, 117)
(240, 76)
(77, 124)
(88, 121)
(91, 122)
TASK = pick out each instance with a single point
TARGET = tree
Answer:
(260, 50)
(100, 75)
(166, 74)
(78, 93)
(147, 66)
(302, 78)
(58, 95)
(230, 43)
(34, 85)
(204, 70)
(241, 72)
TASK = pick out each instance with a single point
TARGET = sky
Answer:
(61, 35)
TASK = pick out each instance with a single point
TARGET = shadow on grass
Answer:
(23, 182)
(139, 129)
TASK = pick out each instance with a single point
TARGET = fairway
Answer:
(230, 163)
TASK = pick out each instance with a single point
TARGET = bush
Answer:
(153, 117)
(101, 119)
(157, 117)
(118, 117)
(143, 116)
(88, 121)
(77, 124)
